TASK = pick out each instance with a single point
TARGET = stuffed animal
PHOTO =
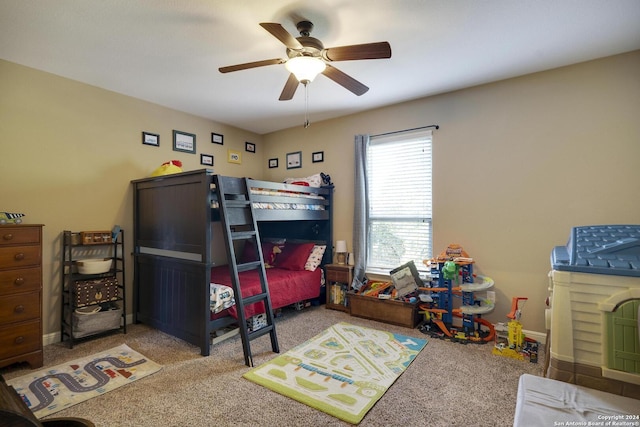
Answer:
(167, 168)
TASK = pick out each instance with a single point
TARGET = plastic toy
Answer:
(167, 168)
(517, 346)
(10, 218)
(455, 265)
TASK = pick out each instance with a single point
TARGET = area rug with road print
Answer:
(342, 371)
(53, 389)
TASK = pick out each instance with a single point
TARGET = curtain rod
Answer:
(408, 130)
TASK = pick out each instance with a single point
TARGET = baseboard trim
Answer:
(538, 336)
(54, 337)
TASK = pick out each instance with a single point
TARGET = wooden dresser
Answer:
(21, 294)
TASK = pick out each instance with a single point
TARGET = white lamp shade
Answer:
(305, 68)
(341, 246)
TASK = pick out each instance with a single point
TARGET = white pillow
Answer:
(315, 258)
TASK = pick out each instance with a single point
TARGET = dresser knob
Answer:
(7, 236)
(19, 256)
(19, 309)
(19, 281)
(19, 340)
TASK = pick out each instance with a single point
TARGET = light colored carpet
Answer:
(448, 384)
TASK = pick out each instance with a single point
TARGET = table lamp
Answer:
(341, 251)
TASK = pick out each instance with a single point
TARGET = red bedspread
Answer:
(285, 286)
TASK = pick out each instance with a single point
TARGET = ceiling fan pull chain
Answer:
(306, 105)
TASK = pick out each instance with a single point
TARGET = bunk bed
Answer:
(174, 237)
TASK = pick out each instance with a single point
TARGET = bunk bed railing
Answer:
(317, 201)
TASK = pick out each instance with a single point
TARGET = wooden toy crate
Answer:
(387, 311)
(95, 237)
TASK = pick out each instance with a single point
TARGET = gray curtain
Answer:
(360, 209)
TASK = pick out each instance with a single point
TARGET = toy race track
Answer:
(452, 277)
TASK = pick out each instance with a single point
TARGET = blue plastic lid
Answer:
(600, 249)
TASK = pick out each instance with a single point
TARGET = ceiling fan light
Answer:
(305, 68)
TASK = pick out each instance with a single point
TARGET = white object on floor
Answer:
(546, 402)
(221, 297)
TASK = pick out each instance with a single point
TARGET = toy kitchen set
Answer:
(595, 304)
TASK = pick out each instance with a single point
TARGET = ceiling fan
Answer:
(307, 57)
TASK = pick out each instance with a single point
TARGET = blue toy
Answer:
(455, 265)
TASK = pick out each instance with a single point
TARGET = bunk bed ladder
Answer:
(239, 224)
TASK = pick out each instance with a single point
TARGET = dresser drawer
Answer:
(338, 275)
(19, 307)
(18, 256)
(20, 280)
(20, 339)
(19, 235)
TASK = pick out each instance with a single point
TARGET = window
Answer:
(399, 198)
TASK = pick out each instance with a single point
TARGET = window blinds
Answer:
(400, 199)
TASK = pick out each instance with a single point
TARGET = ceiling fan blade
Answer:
(377, 50)
(281, 34)
(345, 80)
(248, 65)
(289, 88)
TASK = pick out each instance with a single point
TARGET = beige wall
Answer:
(516, 164)
(69, 152)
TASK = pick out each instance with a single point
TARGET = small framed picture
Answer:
(294, 160)
(273, 163)
(151, 139)
(217, 138)
(234, 156)
(250, 147)
(317, 157)
(206, 160)
(183, 141)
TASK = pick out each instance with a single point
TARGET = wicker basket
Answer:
(89, 324)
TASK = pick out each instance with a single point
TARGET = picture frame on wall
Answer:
(273, 163)
(184, 142)
(234, 156)
(206, 159)
(294, 160)
(250, 147)
(317, 157)
(217, 138)
(149, 138)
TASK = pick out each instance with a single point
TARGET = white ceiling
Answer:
(168, 51)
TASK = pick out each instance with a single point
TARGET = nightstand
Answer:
(339, 278)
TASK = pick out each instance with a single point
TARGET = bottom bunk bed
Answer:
(174, 240)
(286, 288)
(173, 302)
